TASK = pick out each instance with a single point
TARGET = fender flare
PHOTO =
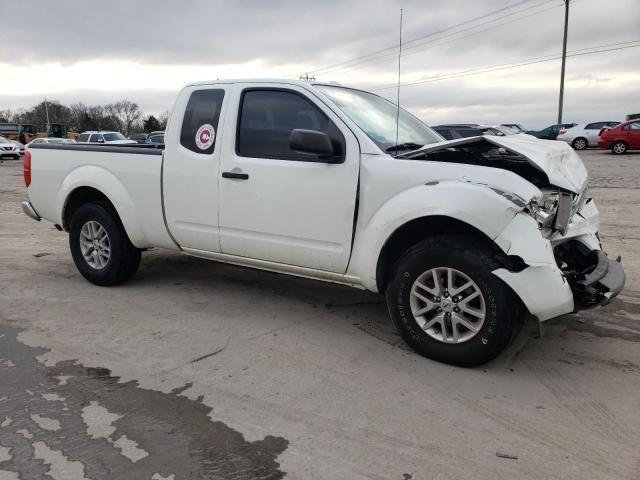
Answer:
(483, 207)
(108, 184)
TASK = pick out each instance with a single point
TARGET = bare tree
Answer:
(7, 115)
(125, 114)
(37, 115)
(163, 119)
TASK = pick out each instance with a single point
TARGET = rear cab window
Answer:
(200, 121)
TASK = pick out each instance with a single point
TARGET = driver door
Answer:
(280, 205)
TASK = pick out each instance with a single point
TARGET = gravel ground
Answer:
(200, 370)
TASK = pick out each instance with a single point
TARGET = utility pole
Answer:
(564, 58)
(398, 100)
(46, 109)
(306, 77)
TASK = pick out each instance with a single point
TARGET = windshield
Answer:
(110, 137)
(377, 118)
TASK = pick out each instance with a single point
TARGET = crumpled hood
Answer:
(562, 165)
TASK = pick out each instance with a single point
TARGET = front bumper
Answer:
(594, 278)
(564, 273)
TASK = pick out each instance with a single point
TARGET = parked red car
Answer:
(622, 137)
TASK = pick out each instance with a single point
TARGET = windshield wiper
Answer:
(404, 146)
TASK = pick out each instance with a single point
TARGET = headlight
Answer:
(554, 210)
(544, 210)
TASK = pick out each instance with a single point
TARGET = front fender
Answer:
(107, 183)
(483, 207)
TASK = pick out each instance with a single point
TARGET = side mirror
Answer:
(311, 141)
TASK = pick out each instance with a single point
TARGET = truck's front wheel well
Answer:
(81, 196)
(424, 227)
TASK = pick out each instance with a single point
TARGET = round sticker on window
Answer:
(205, 136)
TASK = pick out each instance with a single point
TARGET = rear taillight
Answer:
(27, 169)
(562, 132)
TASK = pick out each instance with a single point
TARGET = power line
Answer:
(429, 35)
(531, 61)
(437, 43)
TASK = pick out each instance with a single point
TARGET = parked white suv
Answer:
(112, 138)
(584, 135)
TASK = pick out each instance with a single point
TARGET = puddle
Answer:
(99, 428)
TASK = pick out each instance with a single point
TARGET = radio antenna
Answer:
(398, 100)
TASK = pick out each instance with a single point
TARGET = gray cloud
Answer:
(213, 32)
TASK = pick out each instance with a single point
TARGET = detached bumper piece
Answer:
(594, 278)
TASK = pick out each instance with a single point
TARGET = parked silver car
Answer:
(584, 135)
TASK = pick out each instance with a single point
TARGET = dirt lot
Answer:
(199, 370)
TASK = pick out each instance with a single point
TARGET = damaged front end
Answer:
(545, 164)
(595, 280)
(554, 232)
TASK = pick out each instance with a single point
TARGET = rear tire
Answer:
(100, 247)
(580, 143)
(413, 300)
(619, 148)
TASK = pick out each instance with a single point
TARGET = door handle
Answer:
(235, 175)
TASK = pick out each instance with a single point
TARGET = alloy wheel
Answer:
(447, 305)
(95, 244)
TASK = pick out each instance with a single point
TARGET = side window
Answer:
(444, 132)
(83, 137)
(200, 122)
(94, 138)
(468, 132)
(595, 126)
(267, 118)
(635, 126)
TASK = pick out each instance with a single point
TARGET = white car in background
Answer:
(52, 140)
(584, 135)
(512, 131)
(8, 149)
(19, 145)
(105, 137)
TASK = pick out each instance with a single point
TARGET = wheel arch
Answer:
(420, 228)
(95, 184)
(81, 196)
(620, 140)
(439, 208)
(580, 137)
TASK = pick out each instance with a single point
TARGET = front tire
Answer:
(100, 247)
(447, 304)
(580, 143)
(619, 148)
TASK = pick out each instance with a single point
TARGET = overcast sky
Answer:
(97, 52)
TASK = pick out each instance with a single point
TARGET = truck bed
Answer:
(129, 175)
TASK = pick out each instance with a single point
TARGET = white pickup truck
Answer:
(464, 237)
